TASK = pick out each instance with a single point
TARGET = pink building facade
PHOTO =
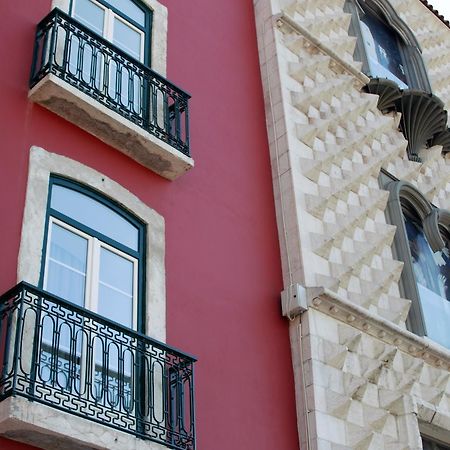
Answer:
(212, 274)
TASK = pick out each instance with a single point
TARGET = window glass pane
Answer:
(127, 38)
(115, 299)
(66, 265)
(90, 14)
(383, 51)
(130, 9)
(442, 260)
(432, 276)
(436, 314)
(94, 214)
(425, 268)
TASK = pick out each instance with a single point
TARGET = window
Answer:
(120, 238)
(422, 241)
(93, 258)
(383, 50)
(91, 65)
(125, 23)
(385, 45)
(432, 275)
(98, 15)
(78, 224)
(94, 253)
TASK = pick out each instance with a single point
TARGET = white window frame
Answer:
(92, 281)
(108, 25)
(158, 36)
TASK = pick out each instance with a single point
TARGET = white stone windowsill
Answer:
(51, 429)
(110, 127)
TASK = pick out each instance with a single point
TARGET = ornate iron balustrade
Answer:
(66, 357)
(66, 48)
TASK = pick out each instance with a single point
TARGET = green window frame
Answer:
(137, 253)
(145, 28)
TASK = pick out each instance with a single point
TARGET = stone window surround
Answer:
(159, 31)
(431, 218)
(42, 165)
(411, 51)
(42, 425)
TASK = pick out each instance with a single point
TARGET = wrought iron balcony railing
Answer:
(66, 48)
(66, 357)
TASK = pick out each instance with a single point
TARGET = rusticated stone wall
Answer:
(328, 143)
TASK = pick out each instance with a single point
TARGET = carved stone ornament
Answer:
(423, 116)
(388, 93)
(423, 121)
(442, 138)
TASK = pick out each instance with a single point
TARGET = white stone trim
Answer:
(49, 428)
(110, 127)
(42, 165)
(334, 305)
(159, 31)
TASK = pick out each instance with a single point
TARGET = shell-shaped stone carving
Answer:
(388, 91)
(442, 138)
(423, 116)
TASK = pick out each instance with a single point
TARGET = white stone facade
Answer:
(362, 380)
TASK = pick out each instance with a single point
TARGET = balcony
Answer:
(90, 82)
(72, 363)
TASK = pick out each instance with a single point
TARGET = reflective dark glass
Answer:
(383, 49)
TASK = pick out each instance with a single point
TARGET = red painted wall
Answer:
(6, 444)
(222, 261)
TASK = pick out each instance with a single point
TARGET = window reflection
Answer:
(94, 214)
(431, 269)
(432, 274)
(383, 52)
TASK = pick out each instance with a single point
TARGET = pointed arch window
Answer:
(385, 45)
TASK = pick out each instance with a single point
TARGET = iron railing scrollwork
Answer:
(66, 48)
(66, 357)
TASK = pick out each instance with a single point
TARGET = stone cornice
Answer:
(336, 306)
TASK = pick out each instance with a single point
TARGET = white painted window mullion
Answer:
(47, 251)
(95, 274)
(135, 293)
(109, 26)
